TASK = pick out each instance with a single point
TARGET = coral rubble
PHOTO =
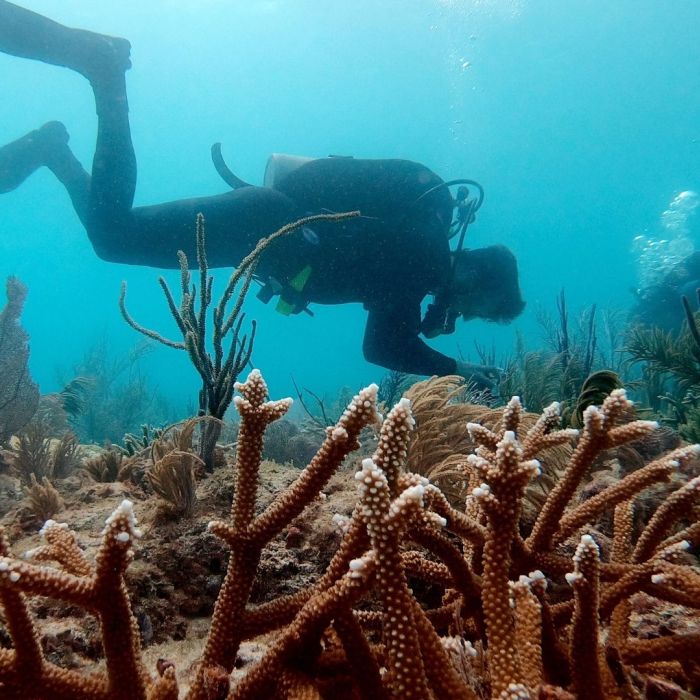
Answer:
(420, 600)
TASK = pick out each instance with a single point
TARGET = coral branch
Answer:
(587, 672)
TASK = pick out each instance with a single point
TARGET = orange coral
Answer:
(499, 630)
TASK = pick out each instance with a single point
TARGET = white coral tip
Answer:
(534, 466)
(482, 490)
(357, 567)
(368, 464)
(658, 578)
(438, 519)
(369, 392)
(126, 507)
(572, 577)
(48, 524)
(590, 411)
(339, 433)
(553, 409)
(414, 493)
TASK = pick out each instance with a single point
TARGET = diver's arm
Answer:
(391, 340)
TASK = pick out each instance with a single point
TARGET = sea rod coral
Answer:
(511, 613)
(220, 369)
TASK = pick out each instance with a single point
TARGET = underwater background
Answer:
(580, 119)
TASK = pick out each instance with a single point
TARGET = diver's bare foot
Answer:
(19, 159)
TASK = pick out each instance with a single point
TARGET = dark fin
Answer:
(19, 159)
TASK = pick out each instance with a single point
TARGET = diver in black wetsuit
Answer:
(660, 305)
(388, 259)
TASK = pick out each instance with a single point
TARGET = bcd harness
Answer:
(292, 299)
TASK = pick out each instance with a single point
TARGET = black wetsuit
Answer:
(388, 259)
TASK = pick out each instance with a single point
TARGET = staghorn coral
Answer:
(516, 616)
(19, 395)
(440, 444)
(98, 587)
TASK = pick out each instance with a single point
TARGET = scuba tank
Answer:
(279, 165)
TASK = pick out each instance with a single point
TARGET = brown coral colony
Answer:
(421, 600)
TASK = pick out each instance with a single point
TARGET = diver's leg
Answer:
(114, 164)
(146, 235)
(103, 60)
(46, 146)
(235, 222)
(30, 35)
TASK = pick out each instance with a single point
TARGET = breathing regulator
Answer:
(441, 316)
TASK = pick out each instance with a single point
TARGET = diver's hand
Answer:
(483, 376)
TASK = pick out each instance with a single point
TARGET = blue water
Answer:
(581, 119)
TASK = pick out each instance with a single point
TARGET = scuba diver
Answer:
(660, 305)
(389, 258)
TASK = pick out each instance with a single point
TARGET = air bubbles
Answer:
(658, 254)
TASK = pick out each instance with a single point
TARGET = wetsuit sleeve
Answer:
(391, 340)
